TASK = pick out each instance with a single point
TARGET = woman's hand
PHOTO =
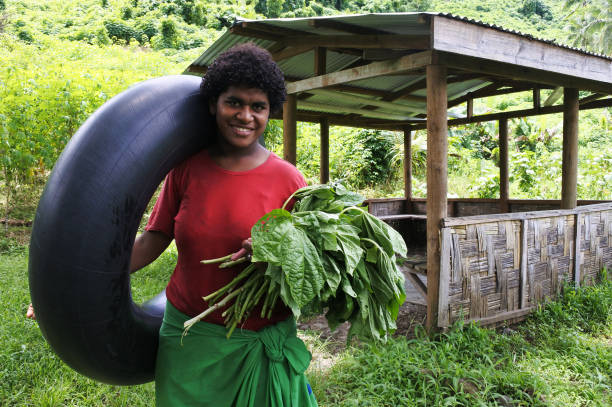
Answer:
(246, 251)
(30, 312)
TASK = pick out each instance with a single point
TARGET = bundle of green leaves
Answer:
(327, 254)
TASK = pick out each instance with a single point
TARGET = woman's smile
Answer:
(242, 115)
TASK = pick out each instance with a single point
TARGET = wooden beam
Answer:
(266, 31)
(523, 297)
(437, 150)
(554, 96)
(590, 98)
(418, 85)
(358, 90)
(395, 41)
(324, 165)
(445, 256)
(320, 61)
(403, 64)
(495, 46)
(577, 251)
(470, 108)
(504, 179)
(588, 207)
(536, 98)
(570, 149)
(290, 129)
(367, 101)
(408, 164)
(346, 27)
(345, 109)
(289, 52)
(382, 54)
(519, 73)
(346, 121)
(418, 284)
(487, 91)
(596, 104)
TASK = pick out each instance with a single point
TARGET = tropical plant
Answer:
(589, 23)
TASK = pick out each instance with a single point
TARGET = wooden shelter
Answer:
(486, 260)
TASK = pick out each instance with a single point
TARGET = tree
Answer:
(589, 23)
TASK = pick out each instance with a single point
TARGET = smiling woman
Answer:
(208, 205)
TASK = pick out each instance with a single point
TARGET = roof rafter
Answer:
(345, 27)
(394, 41)
(403, 64)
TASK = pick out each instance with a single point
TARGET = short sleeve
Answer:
(167, 206)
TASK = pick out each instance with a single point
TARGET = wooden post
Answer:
(437, 148)
(324, 170)
(504, 183)
(536, 99)
(470, 108)
(320, 62)
(408, 169)
(290, 129)
(570, 148)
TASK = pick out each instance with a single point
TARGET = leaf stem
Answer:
(365, 239)
(352, 207)
(233, 263)
(250, 268)
(289, 199)
(217, 260)
(189, 323)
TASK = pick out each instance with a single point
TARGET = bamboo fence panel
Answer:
(500, 267)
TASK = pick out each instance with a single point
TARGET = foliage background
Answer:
(60, 60)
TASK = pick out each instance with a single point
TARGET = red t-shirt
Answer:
(209, 211)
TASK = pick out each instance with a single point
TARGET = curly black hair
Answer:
(245, 65)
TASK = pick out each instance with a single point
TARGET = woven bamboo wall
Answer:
(595, 245)
(500, 267)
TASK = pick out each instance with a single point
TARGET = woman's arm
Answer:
(147, 247)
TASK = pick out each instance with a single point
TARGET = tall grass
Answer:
(561, 356)
(30, 373)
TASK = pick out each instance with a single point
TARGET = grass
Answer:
(30, 373)
(562, 356)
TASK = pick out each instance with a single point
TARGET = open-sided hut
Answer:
(486, 260)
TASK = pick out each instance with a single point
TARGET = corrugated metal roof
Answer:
(372, 97)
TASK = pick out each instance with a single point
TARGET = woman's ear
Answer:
(212, 107)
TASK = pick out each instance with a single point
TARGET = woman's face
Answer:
(242, 115)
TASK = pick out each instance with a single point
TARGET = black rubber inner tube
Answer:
(87, 220)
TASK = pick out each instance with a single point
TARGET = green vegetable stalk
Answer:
(327, 255)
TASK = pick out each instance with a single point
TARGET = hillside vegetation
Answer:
(60, 60)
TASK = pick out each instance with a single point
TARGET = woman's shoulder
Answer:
(285, 170)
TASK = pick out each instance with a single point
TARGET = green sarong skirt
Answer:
(251, 369)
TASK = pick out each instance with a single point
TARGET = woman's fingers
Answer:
(30, 312)
(247, 249)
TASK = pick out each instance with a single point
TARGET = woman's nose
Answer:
(245, 114)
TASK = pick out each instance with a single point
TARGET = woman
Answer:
(208, 205)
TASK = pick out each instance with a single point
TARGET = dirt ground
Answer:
(410, 316)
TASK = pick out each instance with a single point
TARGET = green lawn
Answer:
(560, 357)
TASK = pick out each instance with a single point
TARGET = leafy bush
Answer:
(127, 13)
(25, 36)
(371, 155)
(118, 30)
(537, 7)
